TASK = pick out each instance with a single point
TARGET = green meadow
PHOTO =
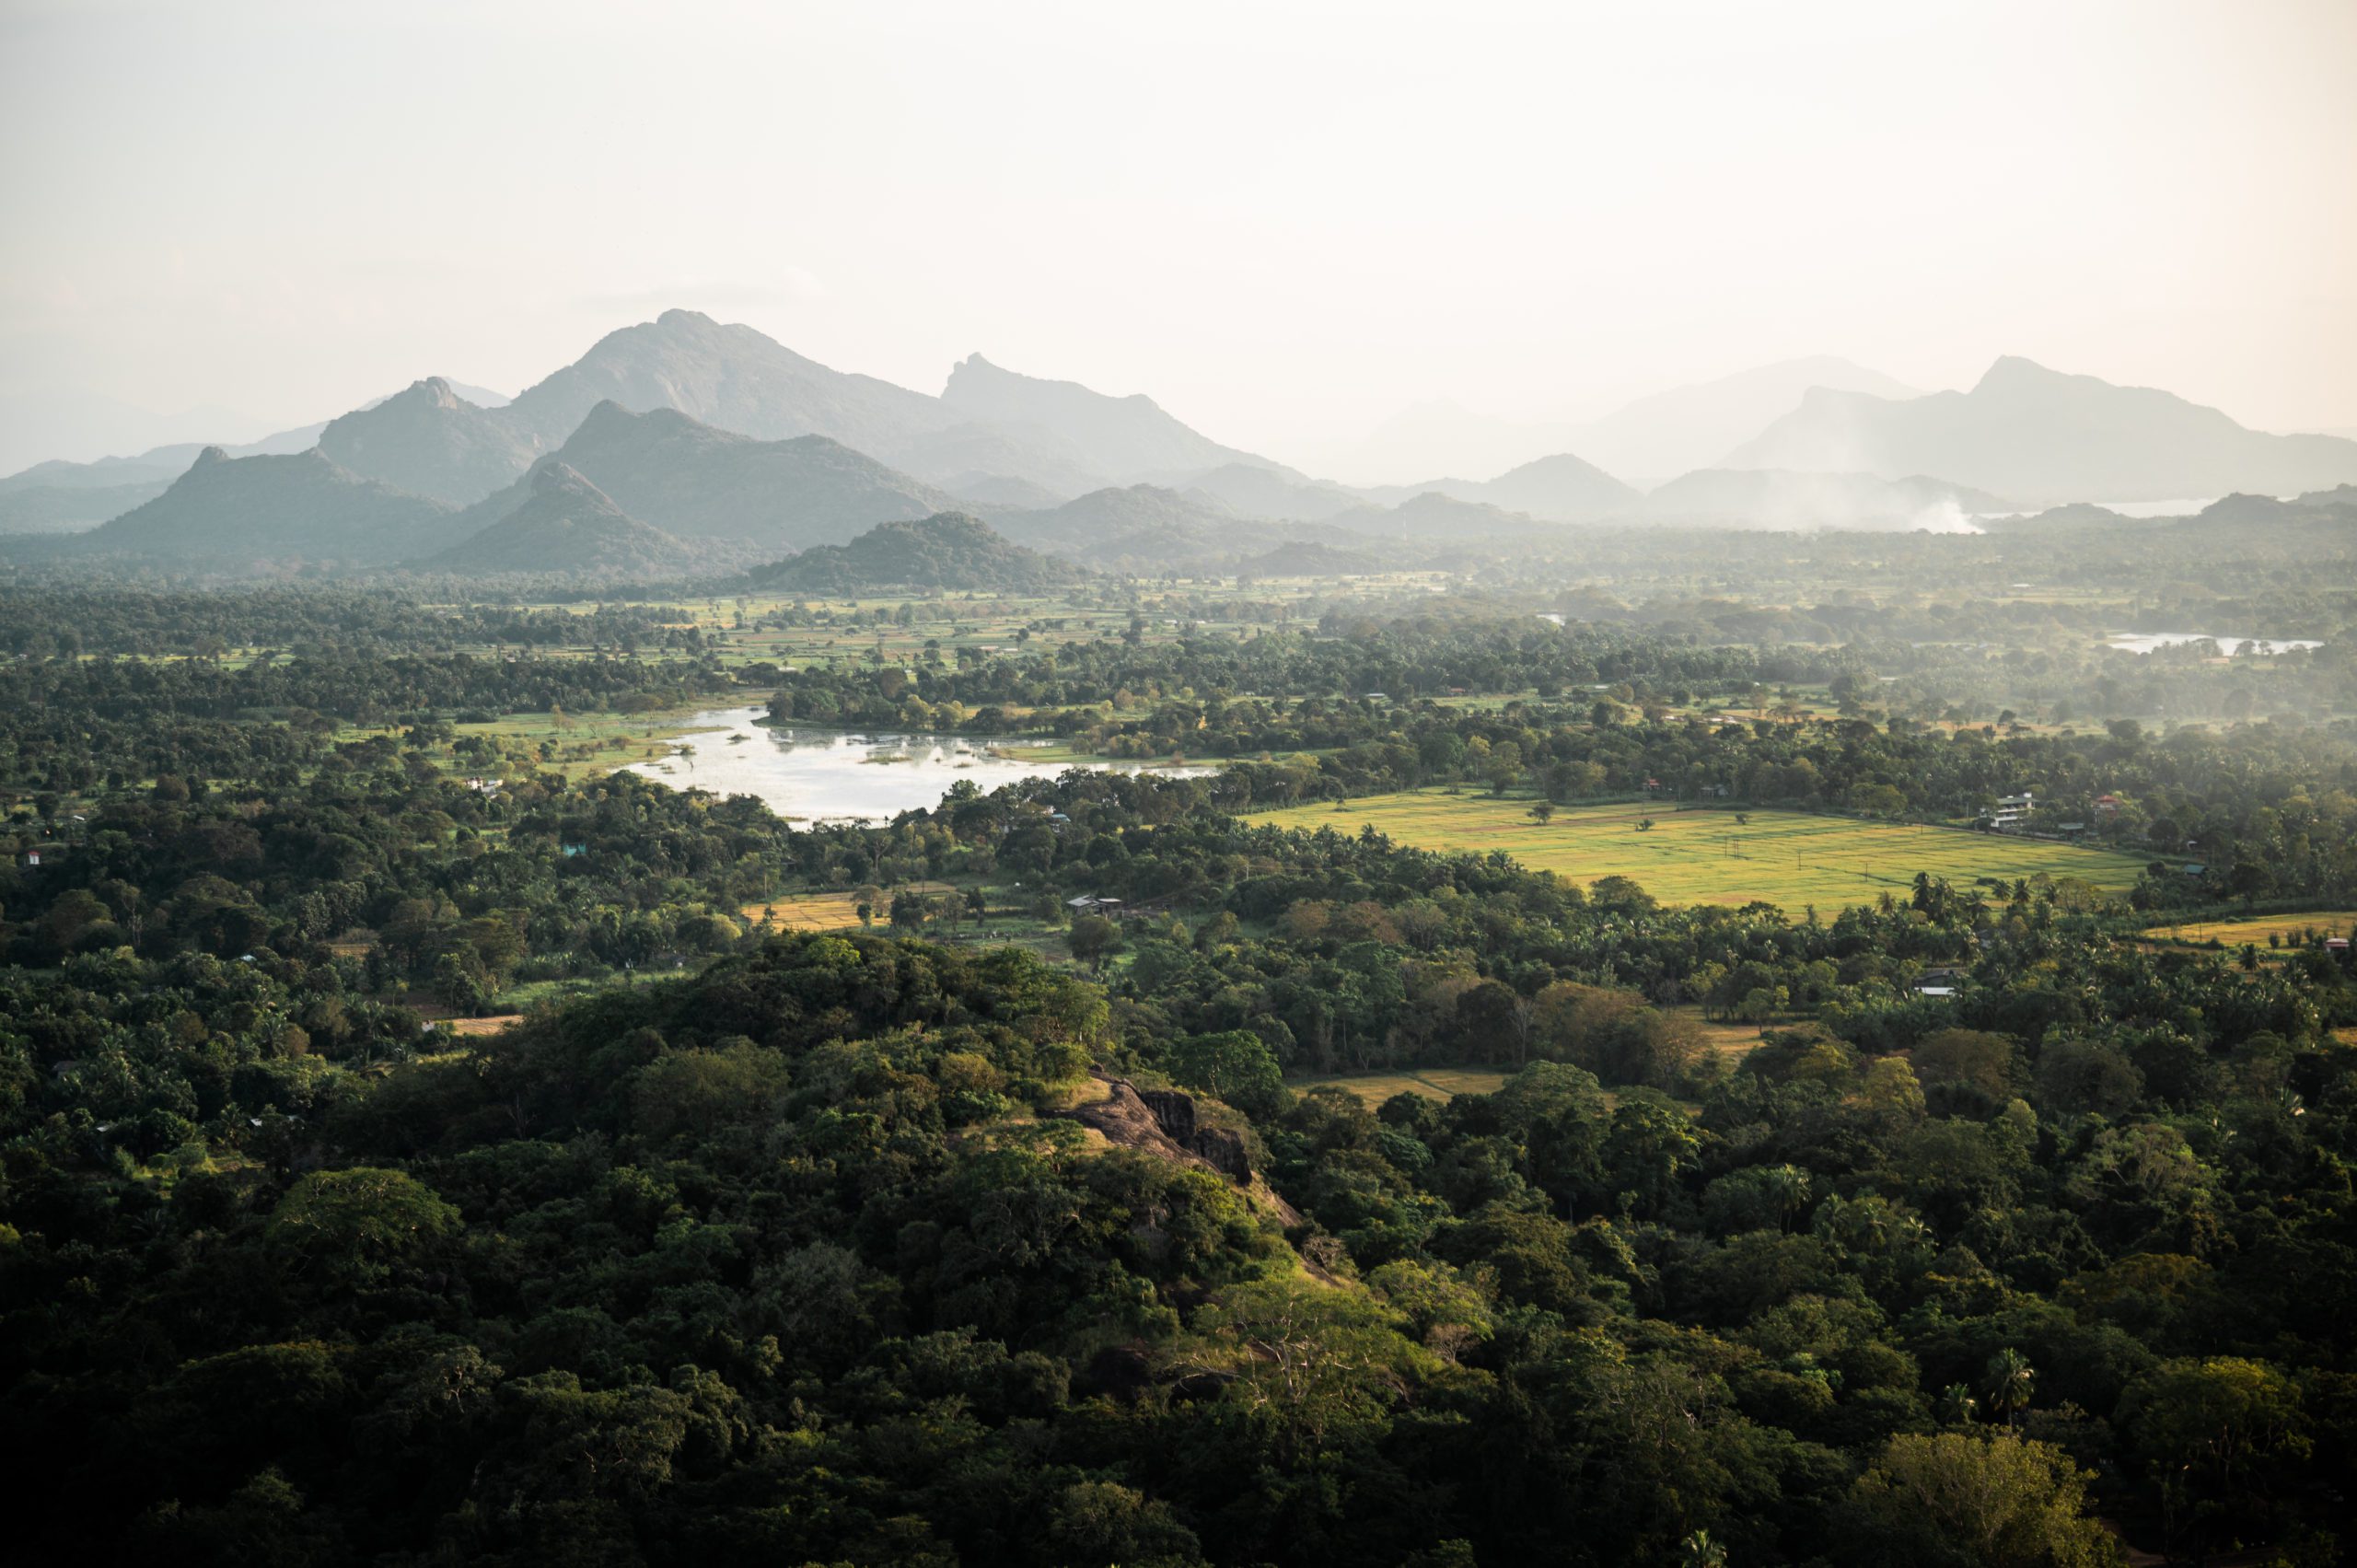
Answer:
(1705, 856)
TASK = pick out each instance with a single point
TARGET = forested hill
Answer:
(949, 550)
(801, 1258)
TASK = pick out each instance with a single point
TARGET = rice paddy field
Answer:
(1788, 858)
(2258, 928)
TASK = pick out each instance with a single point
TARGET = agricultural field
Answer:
(1705, 856)
(806, 912)
(827, 912)
(2258, 928)
(1433, 1082)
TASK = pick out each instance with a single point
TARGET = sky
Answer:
(1285, 223)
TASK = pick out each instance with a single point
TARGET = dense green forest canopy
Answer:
(981, 1230)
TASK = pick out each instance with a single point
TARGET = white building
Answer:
(2012, 811)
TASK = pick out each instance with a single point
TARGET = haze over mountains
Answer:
(717, 445)
(1650, 440)
(2041, 436)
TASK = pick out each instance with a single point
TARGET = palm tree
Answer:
(2009, 1379)
(1956, 1406)
(1702, 1551)
(1790, 1184)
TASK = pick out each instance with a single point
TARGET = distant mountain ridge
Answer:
(275, 511)
(161, 465)
(2045, 437)
(733, 377)
(1146, 527)
(696, 482)
(1561, 489)
(1129, 439)
(47, 508)
(428, 439)
(1642, 442)
(566, 526)
(951, 551)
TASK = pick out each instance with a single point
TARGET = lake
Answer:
(832, 775)
(2146, 641)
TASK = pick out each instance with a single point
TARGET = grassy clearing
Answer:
(489, 1025)
(1733, 1041)
(2258, 928)
(806, 912)
(1433, 1082)
(1788, 858)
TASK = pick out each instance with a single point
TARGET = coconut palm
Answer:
(2009, 1380)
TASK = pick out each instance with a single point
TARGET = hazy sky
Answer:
(1285, 223)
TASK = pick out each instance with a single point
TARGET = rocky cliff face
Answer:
(1165, 1121)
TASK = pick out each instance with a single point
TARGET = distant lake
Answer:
(2146, 642)
(832, 775)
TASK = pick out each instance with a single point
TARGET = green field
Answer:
(1433, 1082)
(2291, 928)
(1787, 859)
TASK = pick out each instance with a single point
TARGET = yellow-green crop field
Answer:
(807, 911)
(1788, 858)
(2258, 928)
(827, 912)
(1433, 1082)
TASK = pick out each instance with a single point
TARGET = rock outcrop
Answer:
(1165, 1121)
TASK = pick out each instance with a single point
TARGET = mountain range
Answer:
(2045, 437)
(699, 484)
(726, 447)
(161, 465)
(270, 512)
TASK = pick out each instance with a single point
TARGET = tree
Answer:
(1304, 1361)
(360, 1220)
(1542, 812)
(1958, 1500)
(2009, 1380)
(1236, 1066)
(2217, 1435)
(1092, 938)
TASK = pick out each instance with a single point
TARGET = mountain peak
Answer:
(210, 455)
(678, 317)
(2012, 370)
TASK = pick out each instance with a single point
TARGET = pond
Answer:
(2146, 641)
(832, 775)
